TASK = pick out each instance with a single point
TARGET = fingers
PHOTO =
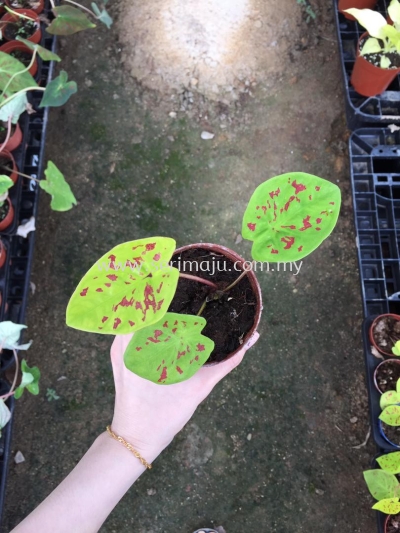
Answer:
(119, 346)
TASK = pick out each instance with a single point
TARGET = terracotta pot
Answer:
(12, 46)
(3, 254)
(9, 17)
(9, 217)
(6, 154)
(37, 10)
(371, 336)
(359, 4)
(366, 78)
(233, 256)
(15, 138)
(396, 361)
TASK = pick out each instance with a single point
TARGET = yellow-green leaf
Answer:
(372, 21)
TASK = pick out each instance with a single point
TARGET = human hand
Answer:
(149, 415)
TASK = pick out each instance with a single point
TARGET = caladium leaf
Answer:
(102, 15)
(396, 350)
(391, 415)
(385, 62)
(46, 55)
(129, 288)
(63, 198)
(69, 20)
(30, 380)
(381, 484)
(10, 334)
(372, 21)
(170, 351)
(390, 462)
(14, 108)
(5, 183)
(10, 66)
(388, 506)
(289, 216)
(394, 11)
(371, 46)
(5, 415)
(58, 91)
(390, 397)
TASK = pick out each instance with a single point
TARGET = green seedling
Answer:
(384, 38)
(10, 334)
(129, 290)
(396, 349)
(384, 485)
(311, 15)
(51, 395)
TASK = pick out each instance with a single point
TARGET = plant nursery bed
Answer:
(361, 110)
(375, 173)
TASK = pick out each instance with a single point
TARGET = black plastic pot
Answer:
(361, 110)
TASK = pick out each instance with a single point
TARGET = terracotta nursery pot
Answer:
(6, 154)
(14, 46)
(255, 287)
(367, 79)
(8, 218)
(37, 9)
(359, 4)
(387, 362)
(15, 139)
(3, 255)
(371, 331)
(9, 17)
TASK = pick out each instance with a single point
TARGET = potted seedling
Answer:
(197, 305)
(384, 486)
(378, 58)
(10, 334)
(23, 53)
(384, 333)
(389, 419)
(386, 375)
(6, 208)
(21, 23)
(358, 4)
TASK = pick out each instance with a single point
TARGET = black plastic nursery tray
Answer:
(375, 173)
(361, 110)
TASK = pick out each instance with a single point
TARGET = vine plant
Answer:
(130, 288)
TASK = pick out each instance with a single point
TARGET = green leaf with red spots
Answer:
(388, 506)
(129, 288)
(391, 415)
(170, 351)
(289, 216)
(390, 397)
(390, 462)
(381, 484)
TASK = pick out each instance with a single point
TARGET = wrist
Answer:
(148, 449)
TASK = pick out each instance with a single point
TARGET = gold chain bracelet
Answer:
(129, 447)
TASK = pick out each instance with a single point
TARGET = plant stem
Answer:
(20, 92)
(8, 134)
(242, 275)
(12, 390)
(203, 306)
(20, 15)
(21, 174)
(82, 7)
(18, 73)
(52, 4)
(200, 280)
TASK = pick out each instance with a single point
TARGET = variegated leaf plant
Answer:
(384, 485)
(130, 289)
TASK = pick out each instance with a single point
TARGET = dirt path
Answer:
(272, 449)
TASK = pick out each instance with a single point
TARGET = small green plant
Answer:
(396, 349)
(10, 334)
(384, 485)
(131, 287)
(311, 15)
(51, 395)
(384, 38)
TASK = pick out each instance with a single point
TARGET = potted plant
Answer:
(358, 4)
(384, 486)
(384, 333)
(21, 23)
(386, 375)
(389, 419)
(168, 296)
(20, 51)
(378, 59)
(6, 208)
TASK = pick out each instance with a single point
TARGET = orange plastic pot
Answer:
(10, 17)
(233, 256)
(8, 218)
(367, 79)
(37, 10)
(359, 4)
(371, 332)
(13, 46)
(14, 173)
(14, 141)
(3, 254)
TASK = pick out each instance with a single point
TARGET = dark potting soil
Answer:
(392, 433)
(387, 375)
(4, 210)
(386, 333)
(24, 57)
(21, 28)
(230, 317)
(393, 525)
(375, 59)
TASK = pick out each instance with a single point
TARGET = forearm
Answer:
(83, 501)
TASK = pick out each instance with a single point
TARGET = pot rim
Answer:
(255, 286)
(371, 337)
